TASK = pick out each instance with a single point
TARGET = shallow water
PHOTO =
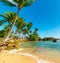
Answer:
(42, 44)
(46, 50)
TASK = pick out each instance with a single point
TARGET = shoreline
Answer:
(23, 56)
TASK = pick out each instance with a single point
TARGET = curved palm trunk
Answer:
(7, 38)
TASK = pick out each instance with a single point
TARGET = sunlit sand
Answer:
(14, 56)
(6, 57)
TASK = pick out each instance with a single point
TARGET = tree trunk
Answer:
(7, 37)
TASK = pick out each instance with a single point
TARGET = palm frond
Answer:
(18, 1)
(7, 2)
(2, 22)
(28, 3)
(1, 15)
(23, 3)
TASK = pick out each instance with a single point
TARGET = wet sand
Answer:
(6, 57)
(45, 54)
(21, 56)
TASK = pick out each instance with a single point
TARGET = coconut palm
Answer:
(29, 25)
(4, 31)
(36, 29)
(35, 32)
(9, 19)
(20, 4)
(20, 25)
(2, 21)
(26, 29)
(34, 35)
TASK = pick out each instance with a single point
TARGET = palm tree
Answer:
(36, 29)
(34, 35)
(26, 29)
(35, 32)
(9, 19)
(20, 4)
(29, 25)
(4, 31)
(20, 25)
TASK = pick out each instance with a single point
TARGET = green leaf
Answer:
(7, 2)
(2, 22)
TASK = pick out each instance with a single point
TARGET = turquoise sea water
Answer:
(42, 44)
(47, 50)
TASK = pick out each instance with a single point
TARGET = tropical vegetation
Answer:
(15, 27)
(19, 4)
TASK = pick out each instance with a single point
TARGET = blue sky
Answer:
(44, 14)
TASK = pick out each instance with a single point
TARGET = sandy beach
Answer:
(15, 56)
(11, 57)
